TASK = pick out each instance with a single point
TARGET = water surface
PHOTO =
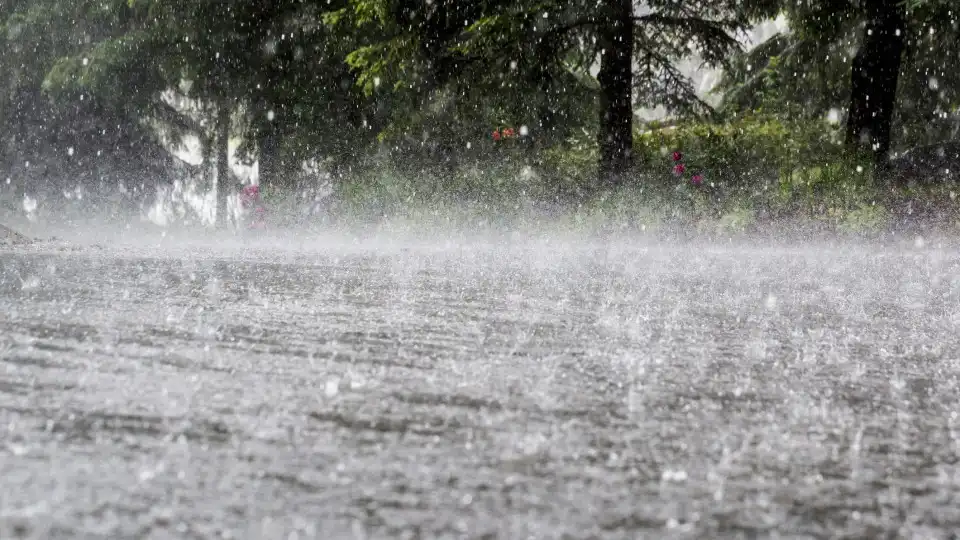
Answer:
(537, 389)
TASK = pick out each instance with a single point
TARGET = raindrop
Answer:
(271, 115)
(31, 282)
(17, 449)
(331, 388)
(674, 476)
(29, 204)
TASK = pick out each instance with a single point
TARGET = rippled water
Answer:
(541, 390)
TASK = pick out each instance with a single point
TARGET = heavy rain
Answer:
(467, 269)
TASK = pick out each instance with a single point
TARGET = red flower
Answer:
(249, 195)
(677, 156)
(508, 132)
(697, 179)
(679, 169)
(496, 135)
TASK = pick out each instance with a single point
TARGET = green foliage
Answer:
(761, 171)
(806, 71)
(44, 110)
(572, 164)
(745, 153)
(94, 72)
(758, 170)
(526, 63)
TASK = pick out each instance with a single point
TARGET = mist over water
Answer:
(396, 381)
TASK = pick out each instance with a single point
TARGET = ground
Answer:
(10, 236)
(522, 387)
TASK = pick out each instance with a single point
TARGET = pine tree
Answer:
(897, 84)
(274, 70)
(553, 45)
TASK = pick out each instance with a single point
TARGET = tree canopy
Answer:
(807, 71)
(428, 83)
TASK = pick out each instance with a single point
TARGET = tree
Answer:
(809, 71)
(64, 133)
(488, 43)
(274, 68)
(873, 75)
(615, 136)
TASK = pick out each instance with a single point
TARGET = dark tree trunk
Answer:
(873, 82)
(616, 92)
(266, 127)
(268, 152)
(222, 140)
(546, 113)
(208, 162)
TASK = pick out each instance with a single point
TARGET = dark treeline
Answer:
(93, 88)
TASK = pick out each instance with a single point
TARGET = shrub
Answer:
(736, 175)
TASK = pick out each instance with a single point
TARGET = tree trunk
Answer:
(873, 80)
(223, 163)
(208, 162)
(268, 148)
(616, 93)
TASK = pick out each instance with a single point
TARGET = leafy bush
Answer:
(752, 171)
(746, 153)
(756, 168)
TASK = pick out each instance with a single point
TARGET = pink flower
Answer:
(677, 156)
(496, 135)
(697, 179)
(249, 195)
(679, 169)
(508, 132)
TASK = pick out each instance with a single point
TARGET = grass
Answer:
(761, 174)
(812, 200)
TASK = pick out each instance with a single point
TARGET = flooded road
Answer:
(533, 390)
